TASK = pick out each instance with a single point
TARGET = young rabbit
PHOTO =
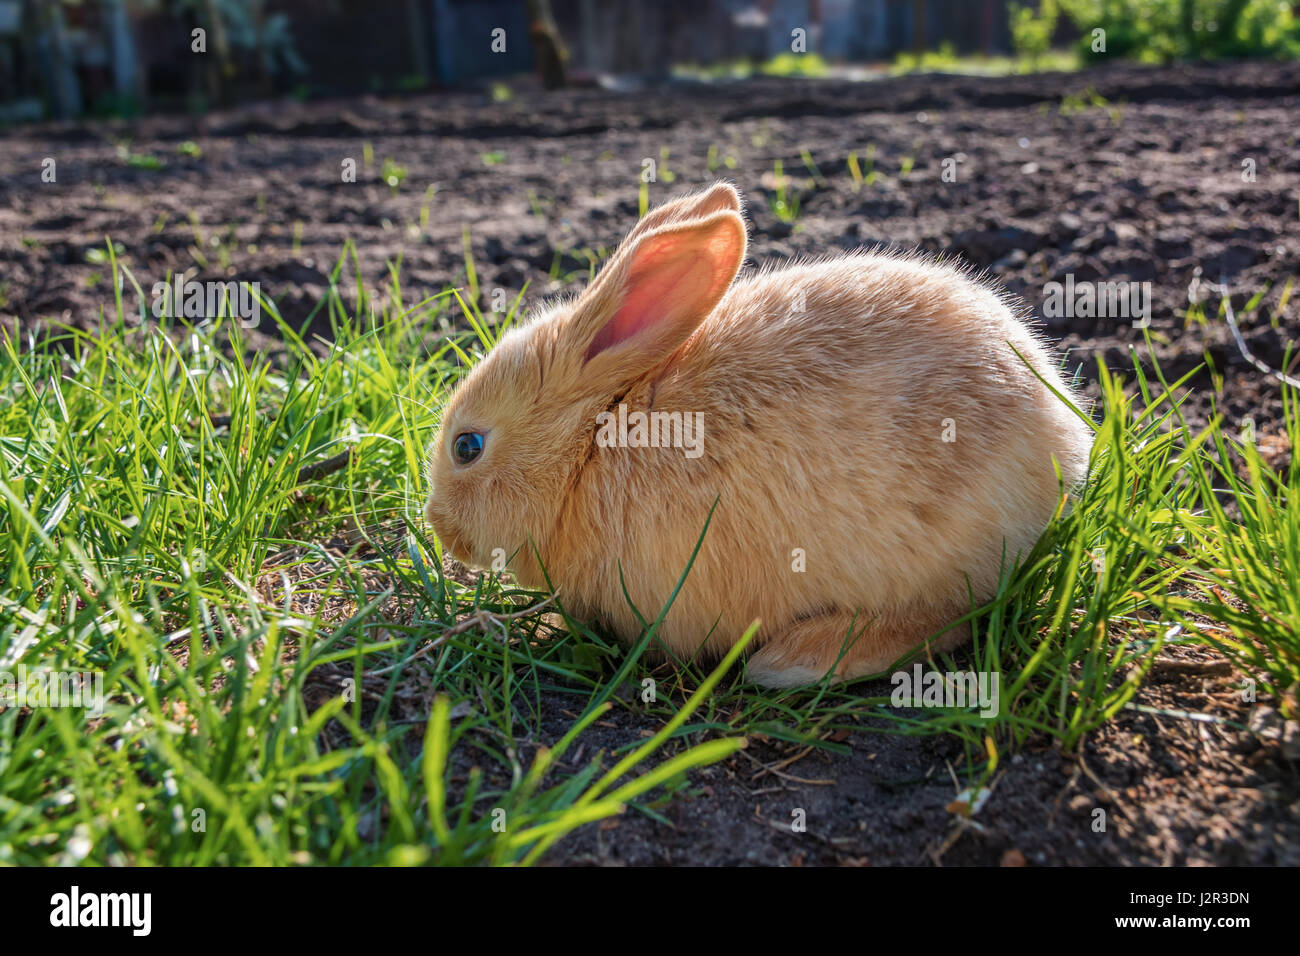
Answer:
(875, 445)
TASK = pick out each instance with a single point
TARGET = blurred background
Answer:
(68, 58)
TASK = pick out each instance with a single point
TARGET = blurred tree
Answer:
(126, 70)
(1031, 33)
(1230, 16)
(1165, 30)
(243, 25)
(50, 37)
(547, 45)
(1189, 23)
(419, 40)
(221, 69)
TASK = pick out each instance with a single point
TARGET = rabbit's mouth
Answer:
(451, 544)
(451, 540)
(459, 551)
(454, 545)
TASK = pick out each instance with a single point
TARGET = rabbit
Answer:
(875, 446)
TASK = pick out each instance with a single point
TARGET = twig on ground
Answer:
(1222, 289)
(781, 764)
(480, 618)
(785, 776)
(322, 468)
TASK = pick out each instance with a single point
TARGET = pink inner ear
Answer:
(669, 287)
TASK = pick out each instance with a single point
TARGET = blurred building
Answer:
(66, 57)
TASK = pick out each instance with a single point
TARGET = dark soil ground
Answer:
(1147, 187)
(1146, 790)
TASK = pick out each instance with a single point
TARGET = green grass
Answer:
(1252, 593)
(1090, 99)
(292, 678)
(946, 60)
(860, 178)
(393, 174)
(139, 160)
(803, 65)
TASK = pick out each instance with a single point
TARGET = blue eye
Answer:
(467, 447)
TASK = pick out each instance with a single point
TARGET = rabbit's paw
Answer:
(852, 645)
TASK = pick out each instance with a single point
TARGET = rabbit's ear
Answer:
(649, 301)
(719, 197)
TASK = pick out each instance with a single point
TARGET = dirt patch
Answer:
(1188, 774)
(1168, 791)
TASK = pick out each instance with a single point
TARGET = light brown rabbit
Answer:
(874, 444)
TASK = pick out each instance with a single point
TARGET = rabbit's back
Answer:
(871, 435)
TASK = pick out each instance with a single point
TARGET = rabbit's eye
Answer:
(467, 447)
